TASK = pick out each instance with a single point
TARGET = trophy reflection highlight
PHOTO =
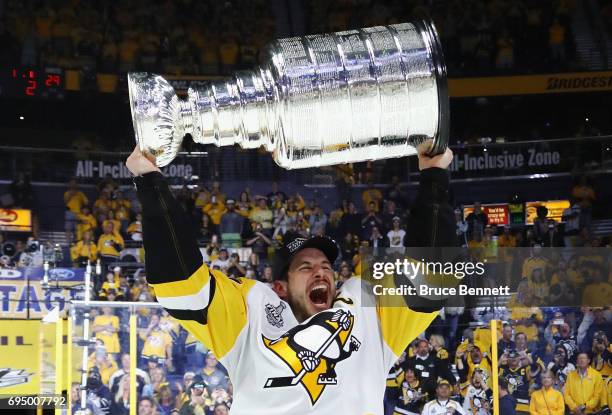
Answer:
(326, 99)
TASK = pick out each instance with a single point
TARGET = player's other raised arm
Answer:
(173, 261)
(207, 303)
(431, 224)
(432, 221)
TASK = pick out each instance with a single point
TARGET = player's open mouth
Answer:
(319, 294)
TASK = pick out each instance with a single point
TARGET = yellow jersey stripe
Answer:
(190, 286)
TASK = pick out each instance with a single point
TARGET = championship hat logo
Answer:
(295, 244)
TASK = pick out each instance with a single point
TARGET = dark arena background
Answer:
(530, 86)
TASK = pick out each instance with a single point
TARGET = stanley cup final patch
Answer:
(275, 314)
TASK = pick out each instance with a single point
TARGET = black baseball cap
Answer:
(513, 354)
(290, 248)
(197, 382)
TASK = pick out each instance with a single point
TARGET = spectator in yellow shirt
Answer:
(156, 341)
(105, 364)
(74, 199)
(110, 218)
(525, 317)
(86, 222)
(105, 327)
(262, 214)
(102, 204)
(535, 261)
(216, 191)
(244, 205)
(372, 194)
(111, 283)
(547, 400)
(215, 209)
(134, 231)
(84, 250)
(122, 211)
(598, 292)
(584, 389)
(109, 245)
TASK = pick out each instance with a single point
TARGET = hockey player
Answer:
(302, 348)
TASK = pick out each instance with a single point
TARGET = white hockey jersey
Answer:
(336, 362)
(447, 407)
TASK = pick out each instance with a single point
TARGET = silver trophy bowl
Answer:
(317, 100)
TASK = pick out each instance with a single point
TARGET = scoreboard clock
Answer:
(32, 83)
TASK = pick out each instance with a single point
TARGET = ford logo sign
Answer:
(10, 273)
(60, 274)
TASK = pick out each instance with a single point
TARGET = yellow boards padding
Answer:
(27, 357)
(20, 357)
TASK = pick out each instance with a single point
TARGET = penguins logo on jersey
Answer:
(514, 382)
(312, 350)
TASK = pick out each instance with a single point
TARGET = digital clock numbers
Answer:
(32, 82)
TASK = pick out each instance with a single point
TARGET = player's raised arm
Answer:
(432, 221)
(431, 224)
(173, 262)
(210, 306)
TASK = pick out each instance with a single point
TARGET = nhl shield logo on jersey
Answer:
(275, 314)
(313, 349)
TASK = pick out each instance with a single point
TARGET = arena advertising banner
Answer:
(23, 297)
(530, 84)
(501, 213)
(498, 214)
(555, 210)
(98, 169)
(16, 220)
(500, 159)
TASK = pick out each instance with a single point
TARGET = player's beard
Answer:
(303, 306)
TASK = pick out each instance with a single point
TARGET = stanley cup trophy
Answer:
(318, 100)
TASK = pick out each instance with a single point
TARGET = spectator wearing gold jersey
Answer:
(110, 283)
(83, 251)
(122, 210)
(157, 342)
(215, 208)
(109, 245)
(103, 362)
(102, 205)
(134, 230)
(86, 222)
(244, 205)
(74, 200)
(110, 218)
(262, 215)
(105, 328)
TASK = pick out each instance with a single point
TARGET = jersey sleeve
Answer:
(401, 325)
(207, 303)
